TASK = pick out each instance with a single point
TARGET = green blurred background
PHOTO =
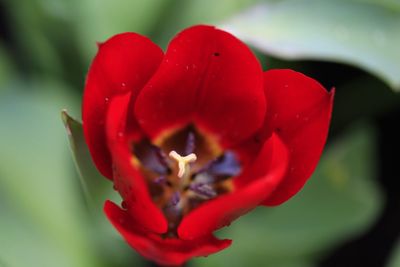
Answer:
(348, 213)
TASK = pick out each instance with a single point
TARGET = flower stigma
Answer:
(183, 162)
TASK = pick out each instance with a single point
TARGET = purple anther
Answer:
(160, 180)
(151, 157)
(207, 166)
(190, 143)
(161, 156)
(176, 197)
(226, 165)
(204, 190)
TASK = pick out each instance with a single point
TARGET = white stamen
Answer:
(183, 161)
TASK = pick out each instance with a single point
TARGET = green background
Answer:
(49, 216)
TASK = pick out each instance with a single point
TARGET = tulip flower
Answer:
(197, 136)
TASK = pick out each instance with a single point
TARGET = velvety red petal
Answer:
(123, 63)
(299, 111)
(219, 212)
(164, 251)
(127, 179)
(207, 77)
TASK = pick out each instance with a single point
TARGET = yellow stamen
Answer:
(183, 161)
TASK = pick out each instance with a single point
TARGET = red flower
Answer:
(196, 137)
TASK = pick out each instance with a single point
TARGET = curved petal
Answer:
(127, 179)
(123, 63)
(219, 212)
(259, 164)
(299, 111)
(164, 251)
(207, 77)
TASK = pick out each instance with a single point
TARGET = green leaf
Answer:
(394, 260)
(391, 4)
(359, 33)
(94, 185)
(6, 67)
(340, 201)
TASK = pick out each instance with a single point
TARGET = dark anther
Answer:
(206, 167)
(225, 165)
(176, 197)
(204, 190)
(190, 143)
(162, 158)
(152, 157)
(161, 180)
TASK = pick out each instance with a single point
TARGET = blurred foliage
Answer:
(110, 17)
(182, 14)
(45, 51)
(354, 32)
(5, 68)
(40, 205)
(395, 257)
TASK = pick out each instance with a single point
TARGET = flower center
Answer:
(194, 171)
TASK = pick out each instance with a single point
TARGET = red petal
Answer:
(123, 63)
(219, 212)
(299, 111)
(164, 251)
(207, 77)
(127, 179)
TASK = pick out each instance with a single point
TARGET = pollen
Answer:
(183, 162)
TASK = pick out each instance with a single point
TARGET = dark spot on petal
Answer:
(216, 54)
